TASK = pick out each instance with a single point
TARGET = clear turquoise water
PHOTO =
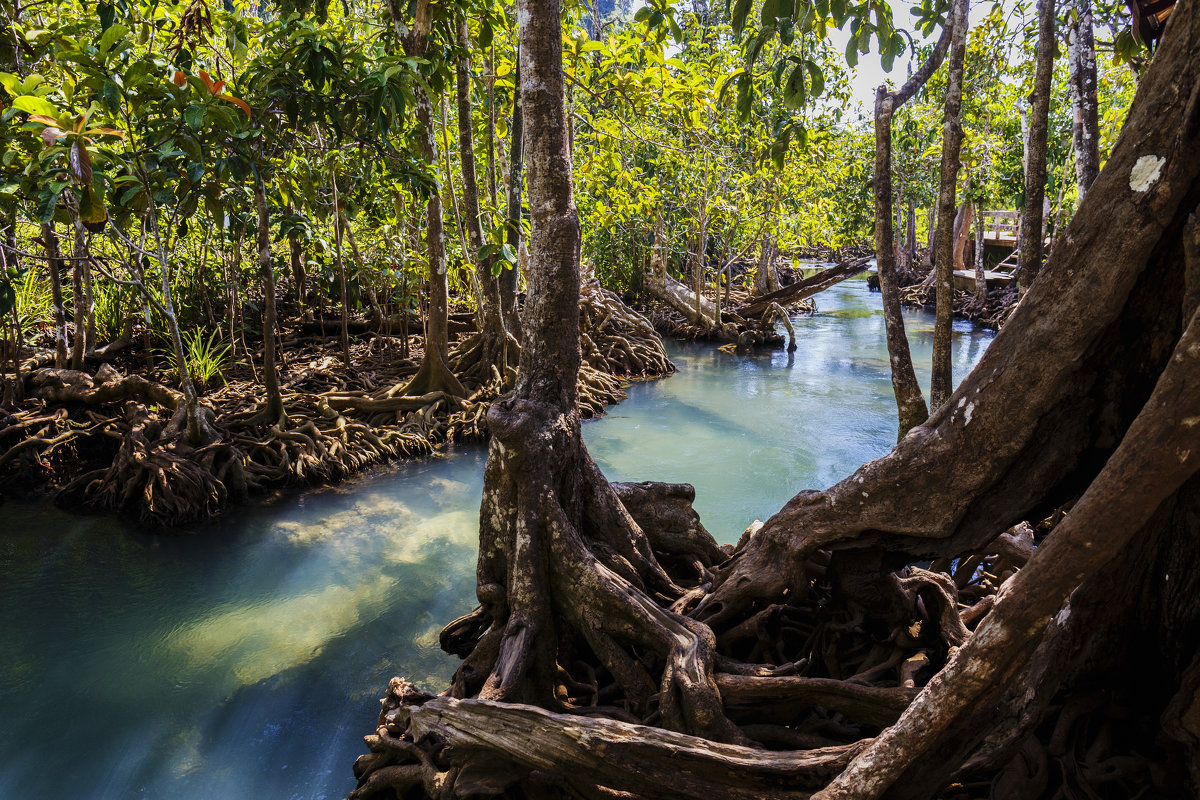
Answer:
(245, 661)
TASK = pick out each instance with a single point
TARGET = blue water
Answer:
(246, 660)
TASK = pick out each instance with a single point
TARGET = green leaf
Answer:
(34, 105)
(194, 117)
(111, 93)
(111, 36)
(770, 10)
(195, 171)
(91, 208)
(107, 14)
(676, 32)
(738, 18)
(818, 78)
(794, 95)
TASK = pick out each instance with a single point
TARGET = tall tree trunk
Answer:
(910, 403)
(338, 227)
(1032, 238)
(911, 238)
(942, 377)
(299, 271)
(434, 374)
(54, 263)
(1086, 127)
(498, 349)
(512, 236)
(79, 265)
(273, 411)
(199, 431)
(980, 275)
(765, 277)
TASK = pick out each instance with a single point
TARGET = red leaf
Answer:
(180, 79)
(208, 82)
(242, 104)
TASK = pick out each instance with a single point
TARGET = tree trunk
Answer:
(497, 349)
(512, 237)
(433, 375)
(942, 378)
(1086, 127)
(1032, 238)
(199, 430)
(765, 279)
(55, 265)
(79, 264)
(910, 403)
(911, 238)
(273, 412)
(338, 227)
(981, 290)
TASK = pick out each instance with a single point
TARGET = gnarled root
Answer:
(616, 339)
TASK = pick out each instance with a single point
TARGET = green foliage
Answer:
(35, 306)
(206, 359)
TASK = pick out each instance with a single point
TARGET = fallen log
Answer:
(805, 288)
(682, 299)
(647, 761)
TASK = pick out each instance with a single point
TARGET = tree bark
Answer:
(512, 237)
(274, 411)
(54, 265)
(338, 227)
(981, 289)
(765, 279)
(1032, 237)
(1086, 127)
(942, 377)
(910, 403)
(498, 349)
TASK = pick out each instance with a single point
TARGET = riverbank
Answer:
(111, 438)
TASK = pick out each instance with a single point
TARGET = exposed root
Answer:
(992, 313)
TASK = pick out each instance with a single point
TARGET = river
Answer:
(245, 660)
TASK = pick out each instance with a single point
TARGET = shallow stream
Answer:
(245, 661)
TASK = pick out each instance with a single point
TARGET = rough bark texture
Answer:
(1086, 127)
(1032, 219)
(942, 377)
(766, 280)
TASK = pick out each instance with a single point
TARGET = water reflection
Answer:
(246, 661)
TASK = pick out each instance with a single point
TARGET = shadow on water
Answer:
(246, 660)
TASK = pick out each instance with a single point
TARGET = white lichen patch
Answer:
(967, 414)
(1145, 172)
